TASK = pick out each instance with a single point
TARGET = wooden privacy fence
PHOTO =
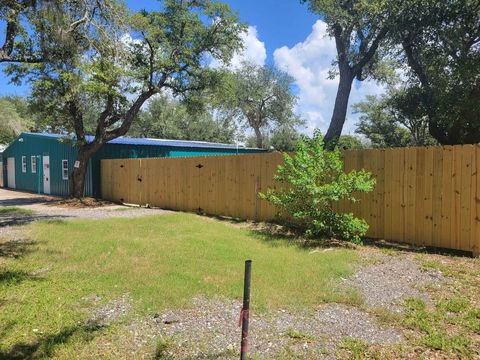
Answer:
(424, 196)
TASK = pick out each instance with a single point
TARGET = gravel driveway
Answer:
(50, 207)
(46, 207)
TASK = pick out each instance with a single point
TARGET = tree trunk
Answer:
(259, 137)
(340, 110)
(77, 180)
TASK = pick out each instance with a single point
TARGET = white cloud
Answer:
(309, 62)
(253, 50)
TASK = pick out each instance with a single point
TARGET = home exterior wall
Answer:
(36, 145)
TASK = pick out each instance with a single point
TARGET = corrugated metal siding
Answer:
(58, 150)
(39, 146)
(124, 151)
(121, 151)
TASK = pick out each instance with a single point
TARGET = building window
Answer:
(33, 160)
(65, 169)
(24, 164)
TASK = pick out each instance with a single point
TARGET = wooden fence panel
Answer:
(475, 241)
(424, 196)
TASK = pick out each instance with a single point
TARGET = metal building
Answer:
(42, 162)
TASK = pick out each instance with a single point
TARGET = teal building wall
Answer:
(28, 144)
(32, 144)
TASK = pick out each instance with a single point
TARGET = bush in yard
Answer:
(313, 181)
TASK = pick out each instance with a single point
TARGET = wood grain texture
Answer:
(423, 196)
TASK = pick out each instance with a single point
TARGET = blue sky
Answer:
(282, 33)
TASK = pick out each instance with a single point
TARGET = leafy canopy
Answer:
(259, 98)
(312, 183)
(13, 119)
(441, 45)
(167, 118)
(393, 120)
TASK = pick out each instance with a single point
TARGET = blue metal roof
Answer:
(151, 142)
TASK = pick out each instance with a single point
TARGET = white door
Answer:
(11, 172)
(1, 174)
(46, 174)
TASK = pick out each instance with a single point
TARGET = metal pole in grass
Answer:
(246, 307)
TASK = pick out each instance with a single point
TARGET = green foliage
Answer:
(163, 348)
(259, 98)
(313, 181)
(14, 210)
(350, 142)
(440, 44)
(299, 335)
(13, 118)
(167, 118)
(360, 29)
(282, 138)
(356, 347)
(387, 122)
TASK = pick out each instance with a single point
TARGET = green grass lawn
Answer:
(162, 262)
(11, 210)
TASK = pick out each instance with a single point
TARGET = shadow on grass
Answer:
(45, 346)
(15, 277)
(403, 247)
(28, 201)
(16, 248)
(276, 235)
(19, 218)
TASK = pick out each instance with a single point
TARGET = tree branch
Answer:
(129, 116)
(368, 54)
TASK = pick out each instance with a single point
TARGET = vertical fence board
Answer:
(447, 196)
(380, 190)
(427, 203)
(476, 237)
(437, 196)
(457, 183)
(409, 190)
(465, 195)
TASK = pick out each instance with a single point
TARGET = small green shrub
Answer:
(313, 181)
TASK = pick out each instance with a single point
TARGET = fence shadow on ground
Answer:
(276, 235)
(16, 248)
(15, 219)
(15, 277)
(44, 347)
(27, 201)
(403, 247)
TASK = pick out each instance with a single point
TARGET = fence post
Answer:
(245, 309)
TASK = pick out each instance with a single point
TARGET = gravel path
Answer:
(110, 312)
(395, 279)
(210, 330)
(47, 208)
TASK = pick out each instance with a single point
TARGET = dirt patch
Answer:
(392, 281)
(82, 203)
(110, 312)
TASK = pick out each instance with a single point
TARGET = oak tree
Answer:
(261, 99)
(102, 57)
